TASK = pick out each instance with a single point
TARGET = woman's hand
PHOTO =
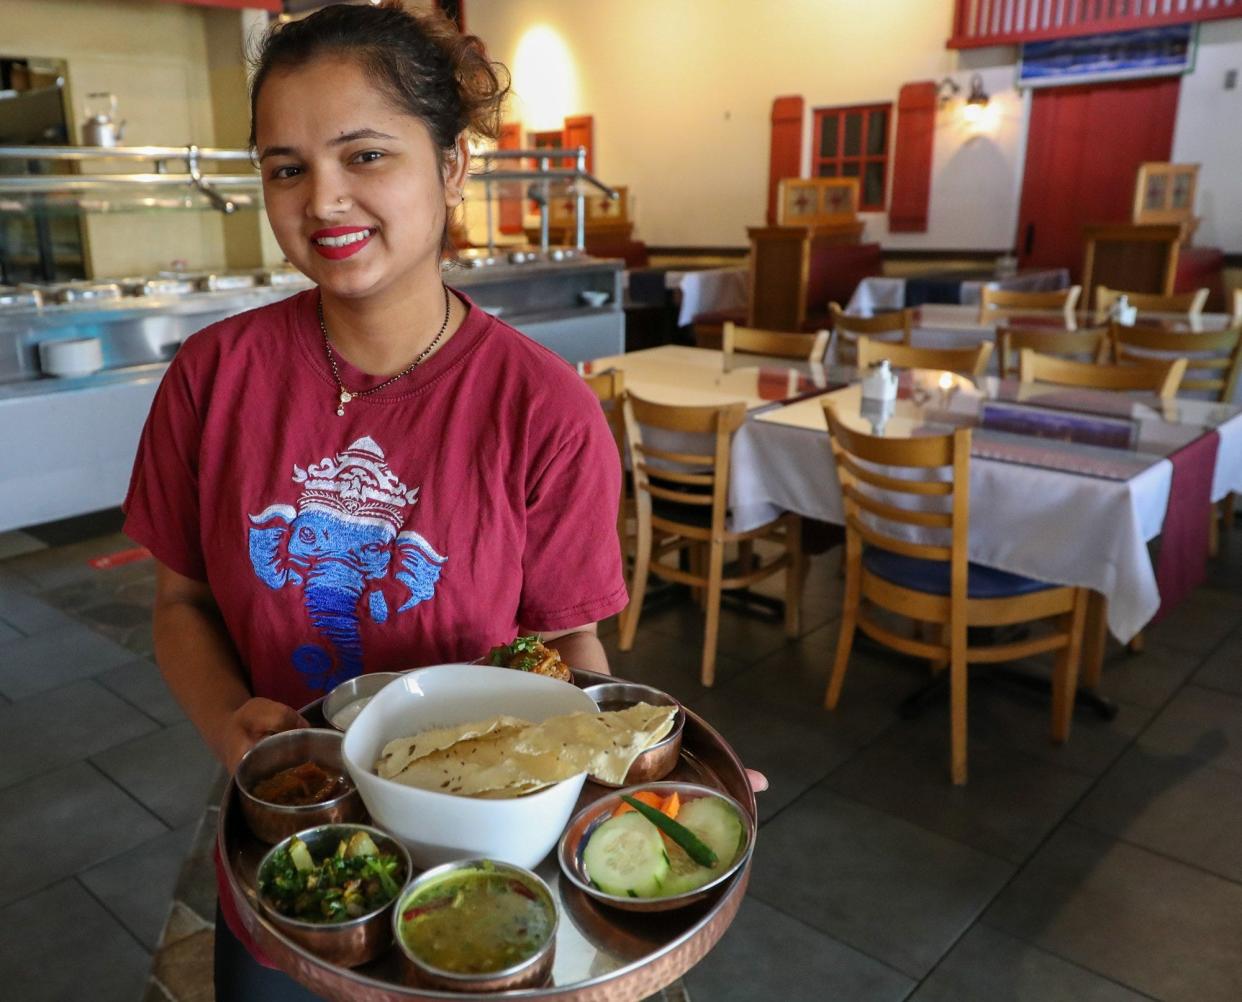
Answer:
(254, 720)
(758, 781)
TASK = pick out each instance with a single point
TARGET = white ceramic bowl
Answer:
(440, 827)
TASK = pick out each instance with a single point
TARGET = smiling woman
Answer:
(375, 474)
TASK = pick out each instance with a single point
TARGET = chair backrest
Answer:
(608, 387)
(698, 479)
(1000, 302)
(1189, 303)
(1089, 343)
(1159, 377)
(1211, 358)
(882, 506)
(1236, 312)
(969, 361)
(752, 340)
(896, 326)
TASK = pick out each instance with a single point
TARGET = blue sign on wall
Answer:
(1151, 52)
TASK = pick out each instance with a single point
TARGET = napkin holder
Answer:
(879, 382)
(1125, 314)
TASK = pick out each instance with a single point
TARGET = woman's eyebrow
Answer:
(341, 140)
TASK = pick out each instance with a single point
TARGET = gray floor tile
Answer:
(141, 684)
(890, 889)
(667, 662)
(1201, 723)
(1200, 623)
(61, 944)
(1140, 919)
(137, 886)
(8, 633)
(61, 565)
(813, 966)
(16, 543)
(28, 613)
(62, 726)
(773, 716)
(1010, 804)
(71, 819)
(1223, 670)
(988, 965)
(1176, 805)
(46, 661)
(741, 637)
(1150, 678)
(169, 772)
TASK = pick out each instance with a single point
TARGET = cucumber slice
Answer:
(716, 823)
(625, 856)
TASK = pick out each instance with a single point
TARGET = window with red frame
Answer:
(853, 142)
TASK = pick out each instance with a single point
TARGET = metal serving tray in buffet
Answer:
(602, 955)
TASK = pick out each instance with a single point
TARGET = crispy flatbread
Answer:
(509, 760)
(397, 754)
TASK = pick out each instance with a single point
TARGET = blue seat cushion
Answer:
(932, 576)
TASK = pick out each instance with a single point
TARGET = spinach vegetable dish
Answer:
(353, 881)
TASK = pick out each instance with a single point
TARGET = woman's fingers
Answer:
(758, 781)
(262, 717)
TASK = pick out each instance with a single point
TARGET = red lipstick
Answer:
(340, 251)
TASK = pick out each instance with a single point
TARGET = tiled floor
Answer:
(1107, 869)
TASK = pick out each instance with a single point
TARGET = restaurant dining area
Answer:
(597, 501)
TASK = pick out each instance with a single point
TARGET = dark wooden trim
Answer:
(698, 251)
(1233, 260)
(919, 254)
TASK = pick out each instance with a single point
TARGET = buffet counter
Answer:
(69, 439)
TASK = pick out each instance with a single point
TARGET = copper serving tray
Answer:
(602, 955)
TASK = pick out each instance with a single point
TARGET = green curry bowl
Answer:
(476, 925)
(330, 889)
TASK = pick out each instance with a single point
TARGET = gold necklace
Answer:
(346, 395)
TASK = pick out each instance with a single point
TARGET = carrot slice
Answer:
(671, 805)
(647, 797)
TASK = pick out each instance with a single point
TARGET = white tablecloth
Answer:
(1045, 524)
(709, 290)
(878, 293)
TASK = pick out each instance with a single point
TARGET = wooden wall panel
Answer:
(785, 159)
(912, 158)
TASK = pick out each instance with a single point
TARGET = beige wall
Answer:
(155, 58)
(681, 94)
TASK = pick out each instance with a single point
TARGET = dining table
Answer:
(1067, 486)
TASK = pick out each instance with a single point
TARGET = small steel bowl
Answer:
(532, 972)
(583, 824)
(274, 822)
(356, 940)
(352, 690)
(661, 758)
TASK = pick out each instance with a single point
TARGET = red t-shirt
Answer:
(475, 494)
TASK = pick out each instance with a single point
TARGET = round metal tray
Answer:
(602, 955)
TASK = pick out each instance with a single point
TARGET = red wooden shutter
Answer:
(510, 207)
(580, 131)
(786, 152)
(912, 158)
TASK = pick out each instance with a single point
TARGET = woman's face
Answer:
(353, 184)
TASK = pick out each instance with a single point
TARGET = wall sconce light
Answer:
(976, 101)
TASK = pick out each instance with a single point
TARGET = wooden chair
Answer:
(934, 582)
(682, 501)
(753, 341)
(1091, 343)
(997, 303)
(1160, 378)
(1189, 303)
(1212, 362)
(608, 387)
(1236, 312)
(968, 361)
(1211, 358)
(895, 327)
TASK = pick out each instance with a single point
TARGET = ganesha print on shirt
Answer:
(341, 541)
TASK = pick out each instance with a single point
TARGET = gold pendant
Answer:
(346, 397)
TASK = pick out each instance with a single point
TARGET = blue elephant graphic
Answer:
(339, 545)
